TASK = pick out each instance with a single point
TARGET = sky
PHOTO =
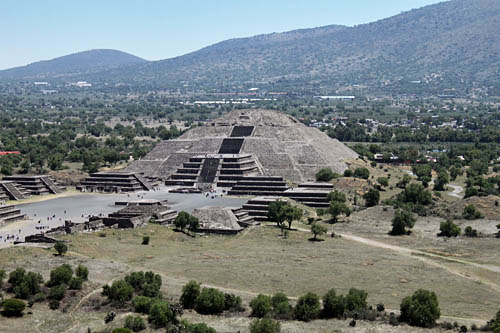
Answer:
(33, 30)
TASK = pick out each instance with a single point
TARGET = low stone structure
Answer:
(138, 213)
(221, 220)
(27, 185)
(9, 214)
(109, 182)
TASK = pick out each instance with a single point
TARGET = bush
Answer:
(261, 306)
(307, 308)
(402, 219)
(383, 181)
(145, 240)
(494, 324)
(233, 303)
(372, 197)
(363, 173)
(469, 232)
(190, 292)
(121, 330)
(3, 275)
(75, 283)
(61, 248)
(200, 328)
(421, 309)
(54, 304)
(265, 325)
(82, 272)
(281, 307)
(325, 175)
(347, 173)
(449, 229)
(60, 275)
(355, 300)
(135, 323)
(160, 314)
(12, 307)
(333, 305)
(119, 293)
(57, 292)
(471, 213)
(141, 304)
(210, 301)
(28, 286)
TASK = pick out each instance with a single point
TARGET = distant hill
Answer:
(456, 42)
(76, 63)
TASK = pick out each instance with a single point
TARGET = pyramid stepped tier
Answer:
(10, 214)
(258, 208)
(269, 186)
(210, 168)
(35, 185)
(279, 145)
(114, 182)
(10, 191)
(244, 219)
(311, 194)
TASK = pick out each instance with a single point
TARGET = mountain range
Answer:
(457, 41)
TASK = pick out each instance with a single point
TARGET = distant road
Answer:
(456, 191)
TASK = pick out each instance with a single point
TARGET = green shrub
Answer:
(363, 173)
(347, 173)
(333, 305)
(471, 213)
(190, 292)
(141, 304)
(121, 330)
(12, 307)
(135, 323)
(402, 219)
(449, 229)
(307, 308)
(60, 275)
(54, 304)
(281, 307)
(265, 325)
(57, 292)
(145, 240)
(421, 309)
(210, 301)
(119, 293)
(75, 283)
(200, 328)
(261, 306)
(160, 314)
(325, 175)
(82, 272)
(61, 248)
(28, 286)
(233, 303)
(469, 232)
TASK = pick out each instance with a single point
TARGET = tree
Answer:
(281, 307)
(61, 248)
(471, 213)
(449, 229)
(421, 309)
(318, 230)
(325, 175)
(372, 197)
(404, 181)
(307, 307)
(121, 330)
(75, 283)
(292, 214)
(402, 219)
(455, 172)
(12, 307)
(276, 212)
(182, 220)
(160, 314)
(210, 301)
(442, 179)
(347, 173)
(469, 232)
(60, 275)
(336, 196)
(145, 240)
(190, 293)
(57, 292)
(494, 324)
(355, 300)
(338, 208)
(416, 194)
(363, 173)
(261, 306)
(265, 325)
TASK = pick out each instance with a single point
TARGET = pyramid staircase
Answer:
(10, 213)
(11, 191)
(53, 187)
(258, 208)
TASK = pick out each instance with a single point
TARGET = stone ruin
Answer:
(20, 187)
(241, 144)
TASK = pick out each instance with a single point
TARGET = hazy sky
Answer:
(33, 30)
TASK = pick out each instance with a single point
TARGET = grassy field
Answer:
(256, 261)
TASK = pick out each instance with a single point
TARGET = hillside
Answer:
(458, 40)
(450, 44)
(76, 63)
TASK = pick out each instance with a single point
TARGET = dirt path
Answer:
(457, 189)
